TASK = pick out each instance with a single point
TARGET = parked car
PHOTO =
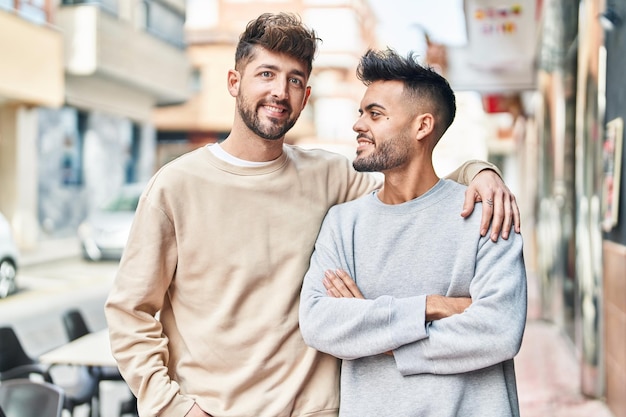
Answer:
(9, 255)
(104, 232)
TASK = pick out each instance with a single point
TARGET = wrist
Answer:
(433, 307)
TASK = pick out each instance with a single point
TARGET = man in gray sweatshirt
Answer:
(390, 269)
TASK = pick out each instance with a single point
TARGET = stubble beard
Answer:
(272, 130)
(388, 155)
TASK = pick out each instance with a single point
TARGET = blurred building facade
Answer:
(26, 42)
(100, 67)
(612, 112)
(574, 147)
(559, 133)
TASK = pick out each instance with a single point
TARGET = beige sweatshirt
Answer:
(204, 307)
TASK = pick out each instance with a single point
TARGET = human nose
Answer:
(280, 88)
(358, 126)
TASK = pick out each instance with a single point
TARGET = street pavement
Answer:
(548, 371)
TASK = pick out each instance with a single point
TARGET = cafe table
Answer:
(93, 349)
(90, 350)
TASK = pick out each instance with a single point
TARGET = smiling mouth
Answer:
(275, 110)
(364, 142)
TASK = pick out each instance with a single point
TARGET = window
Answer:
(36, 11)
(164, 22)
(196, 80)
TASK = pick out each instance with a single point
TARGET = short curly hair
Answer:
(278, 32)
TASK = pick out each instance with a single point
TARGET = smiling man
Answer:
(390, 281)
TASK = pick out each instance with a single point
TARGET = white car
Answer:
(9, 255)
(104, 233)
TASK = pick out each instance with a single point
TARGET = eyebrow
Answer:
(276, 68)
(372, 106)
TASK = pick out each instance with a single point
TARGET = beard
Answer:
(272, 129)
(388, 155)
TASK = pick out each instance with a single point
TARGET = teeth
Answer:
(274, 109)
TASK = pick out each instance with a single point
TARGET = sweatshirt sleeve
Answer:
(468, 170)
(350, 328)
(138, 293)
(358, 183)
(490, 331)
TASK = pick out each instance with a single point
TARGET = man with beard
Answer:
(384, 263)
(203, 314)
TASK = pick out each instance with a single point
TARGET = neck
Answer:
(242, 143)
(405, 184)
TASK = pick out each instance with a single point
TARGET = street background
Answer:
(98, 94)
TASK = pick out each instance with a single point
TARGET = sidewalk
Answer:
(548, 371)
(50, 250)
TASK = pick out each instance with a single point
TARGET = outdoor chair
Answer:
(27, 398)
(75, 327)
(14, 362)
(74, 324)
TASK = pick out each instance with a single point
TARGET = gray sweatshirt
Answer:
(458, 366)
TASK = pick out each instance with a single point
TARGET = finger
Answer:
(349, 283)
(471, 198)
(498, 215)
(517, 219)
(338, 284)
(487, 215)
(508, 216)
(332, 292)
(330, 288)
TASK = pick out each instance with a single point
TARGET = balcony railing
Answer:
(164, 22)
(155, 17)
(107, 5)
(36, 11)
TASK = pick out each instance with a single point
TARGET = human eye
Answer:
(296, 81)
(265, 74)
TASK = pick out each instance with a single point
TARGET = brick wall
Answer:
(615, 325)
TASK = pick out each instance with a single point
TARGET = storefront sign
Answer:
(500, 53)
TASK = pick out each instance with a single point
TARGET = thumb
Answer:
(468, 204)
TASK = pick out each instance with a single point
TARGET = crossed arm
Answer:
(339, 284)
(438, 340)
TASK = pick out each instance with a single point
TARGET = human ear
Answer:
(233, 80)
(307, 94)
(425, 125)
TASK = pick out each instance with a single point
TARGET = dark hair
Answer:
(281, 32)
(422, 84)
